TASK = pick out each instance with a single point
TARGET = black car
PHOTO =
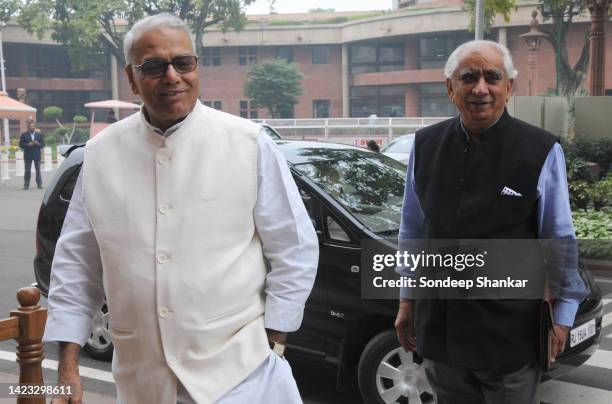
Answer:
(352, 195)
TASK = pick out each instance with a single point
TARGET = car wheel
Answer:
(388, 374)
(99, 345)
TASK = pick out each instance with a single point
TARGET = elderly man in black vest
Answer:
(484, 175)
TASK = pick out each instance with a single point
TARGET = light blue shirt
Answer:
(554, 222)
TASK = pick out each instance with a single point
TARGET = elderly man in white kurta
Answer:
(173, 213)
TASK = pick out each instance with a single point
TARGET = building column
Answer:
(599, 16)
(502, 36)
(346, 78)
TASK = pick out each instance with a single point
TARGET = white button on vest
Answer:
(163, 312)
(162, 159)
(162, 258)
(163, 209)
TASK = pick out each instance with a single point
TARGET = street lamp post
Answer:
(599, 16)
(7, 141)
(533, 40)
(479, 20)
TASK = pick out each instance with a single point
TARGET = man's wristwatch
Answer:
(277, 348)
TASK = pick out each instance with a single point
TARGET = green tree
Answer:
(79, 119)
(562, 13)
(8, 8)
(92, 28)
(53, 113)
(275, 85)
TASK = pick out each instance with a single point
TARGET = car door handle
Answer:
(355, 269)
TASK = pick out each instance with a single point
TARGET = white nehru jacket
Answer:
(178, 232)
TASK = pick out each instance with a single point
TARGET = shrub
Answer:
(60, 134)
(577, 169)
(52, 113)
(596, 151)
(79, 119)
(579, 194)
(50, 140)
(600, 193)
(80, 136)
(594, 231)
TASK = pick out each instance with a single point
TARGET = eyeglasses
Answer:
(157, 68)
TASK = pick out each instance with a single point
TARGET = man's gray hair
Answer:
(474, 46)
(162, 20)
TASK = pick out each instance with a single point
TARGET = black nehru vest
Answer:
(459, 184)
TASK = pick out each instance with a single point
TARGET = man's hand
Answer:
(404, 325)
(276, 336)
(69, 374)
(557, 343)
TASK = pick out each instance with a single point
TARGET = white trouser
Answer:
(271, 383)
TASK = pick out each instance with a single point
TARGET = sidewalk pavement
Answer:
(16, 183)
(24, 218)
(88, 396)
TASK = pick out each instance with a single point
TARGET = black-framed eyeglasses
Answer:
(157, 68)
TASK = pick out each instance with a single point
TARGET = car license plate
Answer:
(582, 333)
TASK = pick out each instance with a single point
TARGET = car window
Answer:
(370, 186)
(401, 145)
(335, 232)
(68, 189)
(307, 200)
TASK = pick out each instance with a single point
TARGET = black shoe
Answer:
(40, 187)
(25, 188)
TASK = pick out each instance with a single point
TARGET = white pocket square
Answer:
(510, 192)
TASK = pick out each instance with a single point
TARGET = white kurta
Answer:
(281, 222)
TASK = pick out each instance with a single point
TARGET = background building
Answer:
(354, 64)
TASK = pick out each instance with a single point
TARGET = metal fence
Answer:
(354, 131)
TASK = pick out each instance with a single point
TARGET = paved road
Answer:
(591, 383)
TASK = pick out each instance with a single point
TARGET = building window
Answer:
(435, 50)
(287, 112)
(248, 55)
(285, 52)
(247, 110)
(321, 108)
(434, 100)
(50, 61)
(213, 104)
(321, 54)
(377, 57)
(382, 101)
(211, 56)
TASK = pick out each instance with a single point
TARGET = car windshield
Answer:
(271, 133)
(401, 145)
(369, 185)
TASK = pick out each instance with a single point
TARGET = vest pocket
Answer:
(514, 209)
(228, 313)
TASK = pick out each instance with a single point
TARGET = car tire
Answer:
(99, 345)
(388, 374)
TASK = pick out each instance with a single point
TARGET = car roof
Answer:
(302, 151)
(294, 151)
(394, 141)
